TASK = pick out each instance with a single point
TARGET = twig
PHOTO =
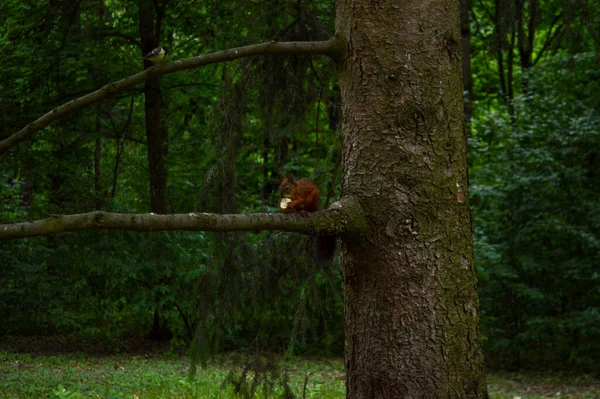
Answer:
(305, 384)
(550, 36)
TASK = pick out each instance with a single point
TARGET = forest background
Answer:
(228, 132)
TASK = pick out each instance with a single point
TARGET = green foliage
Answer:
(535, 203)
(231, 131)
(62, 393)
(260, 374)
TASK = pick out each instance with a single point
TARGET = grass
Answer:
(541, 386)
(156, 376)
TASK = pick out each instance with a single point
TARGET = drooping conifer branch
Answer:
(343, 218)
(333, 48)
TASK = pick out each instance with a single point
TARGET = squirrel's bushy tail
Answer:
(324, 248)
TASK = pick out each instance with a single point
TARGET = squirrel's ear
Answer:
(282, 177)
(290, 178)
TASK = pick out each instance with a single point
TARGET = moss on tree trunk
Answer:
(411, 307)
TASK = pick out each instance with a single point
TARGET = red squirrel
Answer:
(304, 196)
(303, 193)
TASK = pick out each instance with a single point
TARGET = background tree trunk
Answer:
(27, 184)
(465, 33)
(155, 140)
(411, 307)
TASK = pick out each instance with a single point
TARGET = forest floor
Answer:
(55, 368)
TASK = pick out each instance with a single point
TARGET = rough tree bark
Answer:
(411, 307)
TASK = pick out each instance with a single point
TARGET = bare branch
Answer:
(333, 48)
(550, 36)
(334, 221)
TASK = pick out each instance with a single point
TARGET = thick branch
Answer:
(343, 218)
(332, 48)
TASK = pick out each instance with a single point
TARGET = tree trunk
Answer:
(499, 44)
(411, 307)
(27, 185)
(155, 139)
(154, 136)
(98, 192)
